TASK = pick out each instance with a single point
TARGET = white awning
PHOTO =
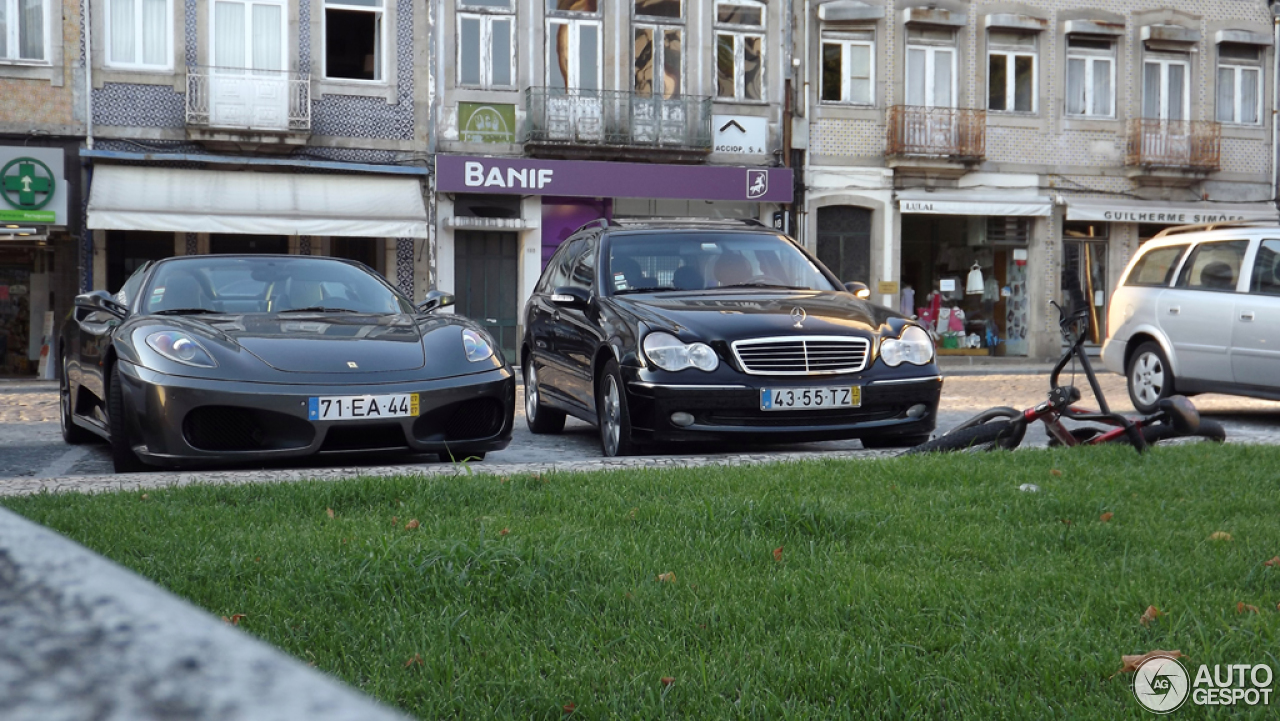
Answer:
(1009, 202)
(224, 201)
(1171, 213)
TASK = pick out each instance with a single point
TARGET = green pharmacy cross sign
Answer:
(26, 184)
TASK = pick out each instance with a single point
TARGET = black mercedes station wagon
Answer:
(705, 330)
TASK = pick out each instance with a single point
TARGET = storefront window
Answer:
(1084, 274)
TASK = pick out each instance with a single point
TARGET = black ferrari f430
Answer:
(235, 359)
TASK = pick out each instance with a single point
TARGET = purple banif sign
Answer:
(593, 179)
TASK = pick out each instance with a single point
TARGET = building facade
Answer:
(1038, 142)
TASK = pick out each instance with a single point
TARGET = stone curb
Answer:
(84, 638)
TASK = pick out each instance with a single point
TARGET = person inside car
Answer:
(732, 269)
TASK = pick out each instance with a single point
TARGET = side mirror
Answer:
(858, 289)
(434, 300)
(568, 297)
(101, 300)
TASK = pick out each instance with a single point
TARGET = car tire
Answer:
(71, 433)
(613, 418)
(123, 459)
(1149, 377)
(876, 442)
(540, 419)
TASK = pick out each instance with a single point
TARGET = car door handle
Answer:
(1247, 315)
(1174, 309)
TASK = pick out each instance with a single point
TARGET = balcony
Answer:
(616, 125)
(1173, 152)
(936, 138)
(236, 108)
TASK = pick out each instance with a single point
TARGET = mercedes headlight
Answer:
(180, 348)
(671, 354)
(914, 346)
(476, 345)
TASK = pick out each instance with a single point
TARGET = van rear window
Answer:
(1155, 267)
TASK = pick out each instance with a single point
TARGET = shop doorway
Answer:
(128, 250)
(224, 243)
(370, 251)
(1084, 274)
(844, 242)
(485, 283)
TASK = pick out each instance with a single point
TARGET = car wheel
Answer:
(123, 459)
(1150, 377)
(893, 441)
(613, 418)
(540, 419)
(71, 433)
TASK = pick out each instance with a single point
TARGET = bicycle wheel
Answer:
(1208, 430)
(980, 437)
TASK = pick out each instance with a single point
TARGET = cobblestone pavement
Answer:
(33, 457)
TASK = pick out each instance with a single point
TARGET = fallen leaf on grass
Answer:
(415, 661)
(235, 618)
(412, 524)
(1131, 663)
(668, 680)
(1275, 562)
(668, 577)
(1065, 521)
(145, 496)
(1149, 615)
(633, 513)
(395, 520)
(1106, 517)
(777, 554)
(504, 531)
(329, 511)
(569, 707)
(1220, 536)
(1242, 607)
(1055, 472)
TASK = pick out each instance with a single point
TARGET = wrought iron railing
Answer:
(617, 118)
(959, 133)
(1185, 144)
(243, 99)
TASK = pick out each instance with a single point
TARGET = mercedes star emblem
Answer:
(798, 315)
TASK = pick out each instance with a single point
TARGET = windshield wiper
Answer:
(319, 309)
(760, 284)
(646, 289)
(187, 311)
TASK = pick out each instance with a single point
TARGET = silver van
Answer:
(1198, 311)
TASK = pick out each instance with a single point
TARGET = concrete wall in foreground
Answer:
(83, 638)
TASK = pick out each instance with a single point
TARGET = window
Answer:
(931, 67)
(24, 30)
(1239, 83)
(1155, 268)
(1164, 87)
(486, 43)
(848, 66)
(1011, 71)
(584, 270)
(740, 50)
(1266, 269)
(139, 33)
(249, 34)
(658, 46)
(1214, 266)
(353, 39)
(573, 45)
(1091, 76)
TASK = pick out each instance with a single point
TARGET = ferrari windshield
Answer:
(644, 262)
(237, 285)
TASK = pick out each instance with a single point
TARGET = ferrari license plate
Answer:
(358, 408)
(810, 399)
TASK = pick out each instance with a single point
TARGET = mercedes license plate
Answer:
(810, 399)
(359, 408)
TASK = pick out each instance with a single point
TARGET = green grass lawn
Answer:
(906, 587)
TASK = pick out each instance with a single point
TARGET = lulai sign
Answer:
(32, 189)
(591, 179)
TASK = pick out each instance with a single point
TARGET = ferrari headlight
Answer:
(672, 354)
(476, 345)
(914, 346)
(180, 348)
